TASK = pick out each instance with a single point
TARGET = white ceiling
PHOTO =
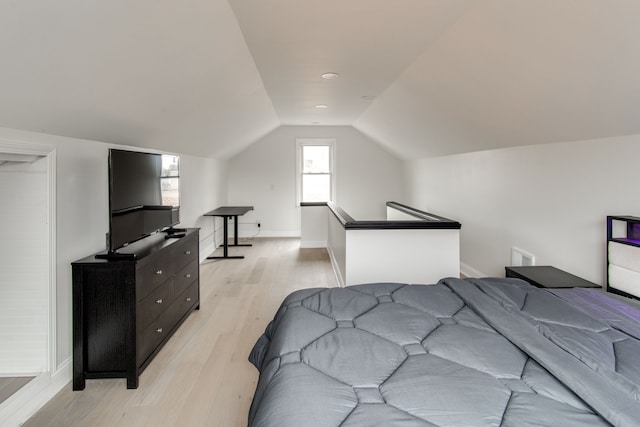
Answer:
(210, 77)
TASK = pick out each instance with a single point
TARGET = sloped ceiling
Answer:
(421, 77)
(164, 74)
(520, 72)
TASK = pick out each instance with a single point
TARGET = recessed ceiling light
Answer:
(330, 76)
(321, 106)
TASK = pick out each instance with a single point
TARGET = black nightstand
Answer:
(546, 276)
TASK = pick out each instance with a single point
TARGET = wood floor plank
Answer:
(9, 385)
(202, 376)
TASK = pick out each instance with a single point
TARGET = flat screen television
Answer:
(144, 195)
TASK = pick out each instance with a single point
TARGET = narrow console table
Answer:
(227, 212)
(125, 310)
(546, 276)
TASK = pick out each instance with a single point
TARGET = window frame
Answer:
(164, 178)
(302, 142)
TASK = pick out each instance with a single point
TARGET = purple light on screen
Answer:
(621, 315)
(619, 306)
(633, 231)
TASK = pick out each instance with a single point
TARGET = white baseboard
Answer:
(207, 250)
(270, 233)
(308, 244)
(469, 271)
(336, 268)
(34, 395)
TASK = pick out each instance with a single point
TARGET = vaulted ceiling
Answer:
(420, 77)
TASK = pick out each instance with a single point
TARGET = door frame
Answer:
(28, 149)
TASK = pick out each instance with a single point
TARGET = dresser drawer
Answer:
(186, 300)
(152, 275)
(186, 276)
(155, 303)
(151, 336)
(186, 250)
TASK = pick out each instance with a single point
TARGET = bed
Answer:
(472, 352)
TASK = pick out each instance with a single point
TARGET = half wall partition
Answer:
(410, 246)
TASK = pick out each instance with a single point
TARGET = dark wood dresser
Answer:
(125, 310)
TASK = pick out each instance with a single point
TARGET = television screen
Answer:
(144, 195)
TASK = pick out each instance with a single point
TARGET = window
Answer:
(315, 165)
(170, 180)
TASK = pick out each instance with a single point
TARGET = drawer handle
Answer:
(159, 330)
(188, 299)
(188, 276)
(187, 253)
(159, 272)
(159, 301)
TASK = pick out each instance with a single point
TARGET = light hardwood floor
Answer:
(9, 385)
(202, 376)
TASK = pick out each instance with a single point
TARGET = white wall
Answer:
(203, 187)
(406, 256)
(82, 207)
(337, 247)
(550, 200)
(264, 176)
(314, 227)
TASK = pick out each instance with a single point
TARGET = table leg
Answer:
(225, 244)
(235, 233)
(235, 230)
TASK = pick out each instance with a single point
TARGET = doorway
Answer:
(27, 322)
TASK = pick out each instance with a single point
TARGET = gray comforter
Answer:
(474, 352)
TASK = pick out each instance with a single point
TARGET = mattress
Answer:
(474, 352)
